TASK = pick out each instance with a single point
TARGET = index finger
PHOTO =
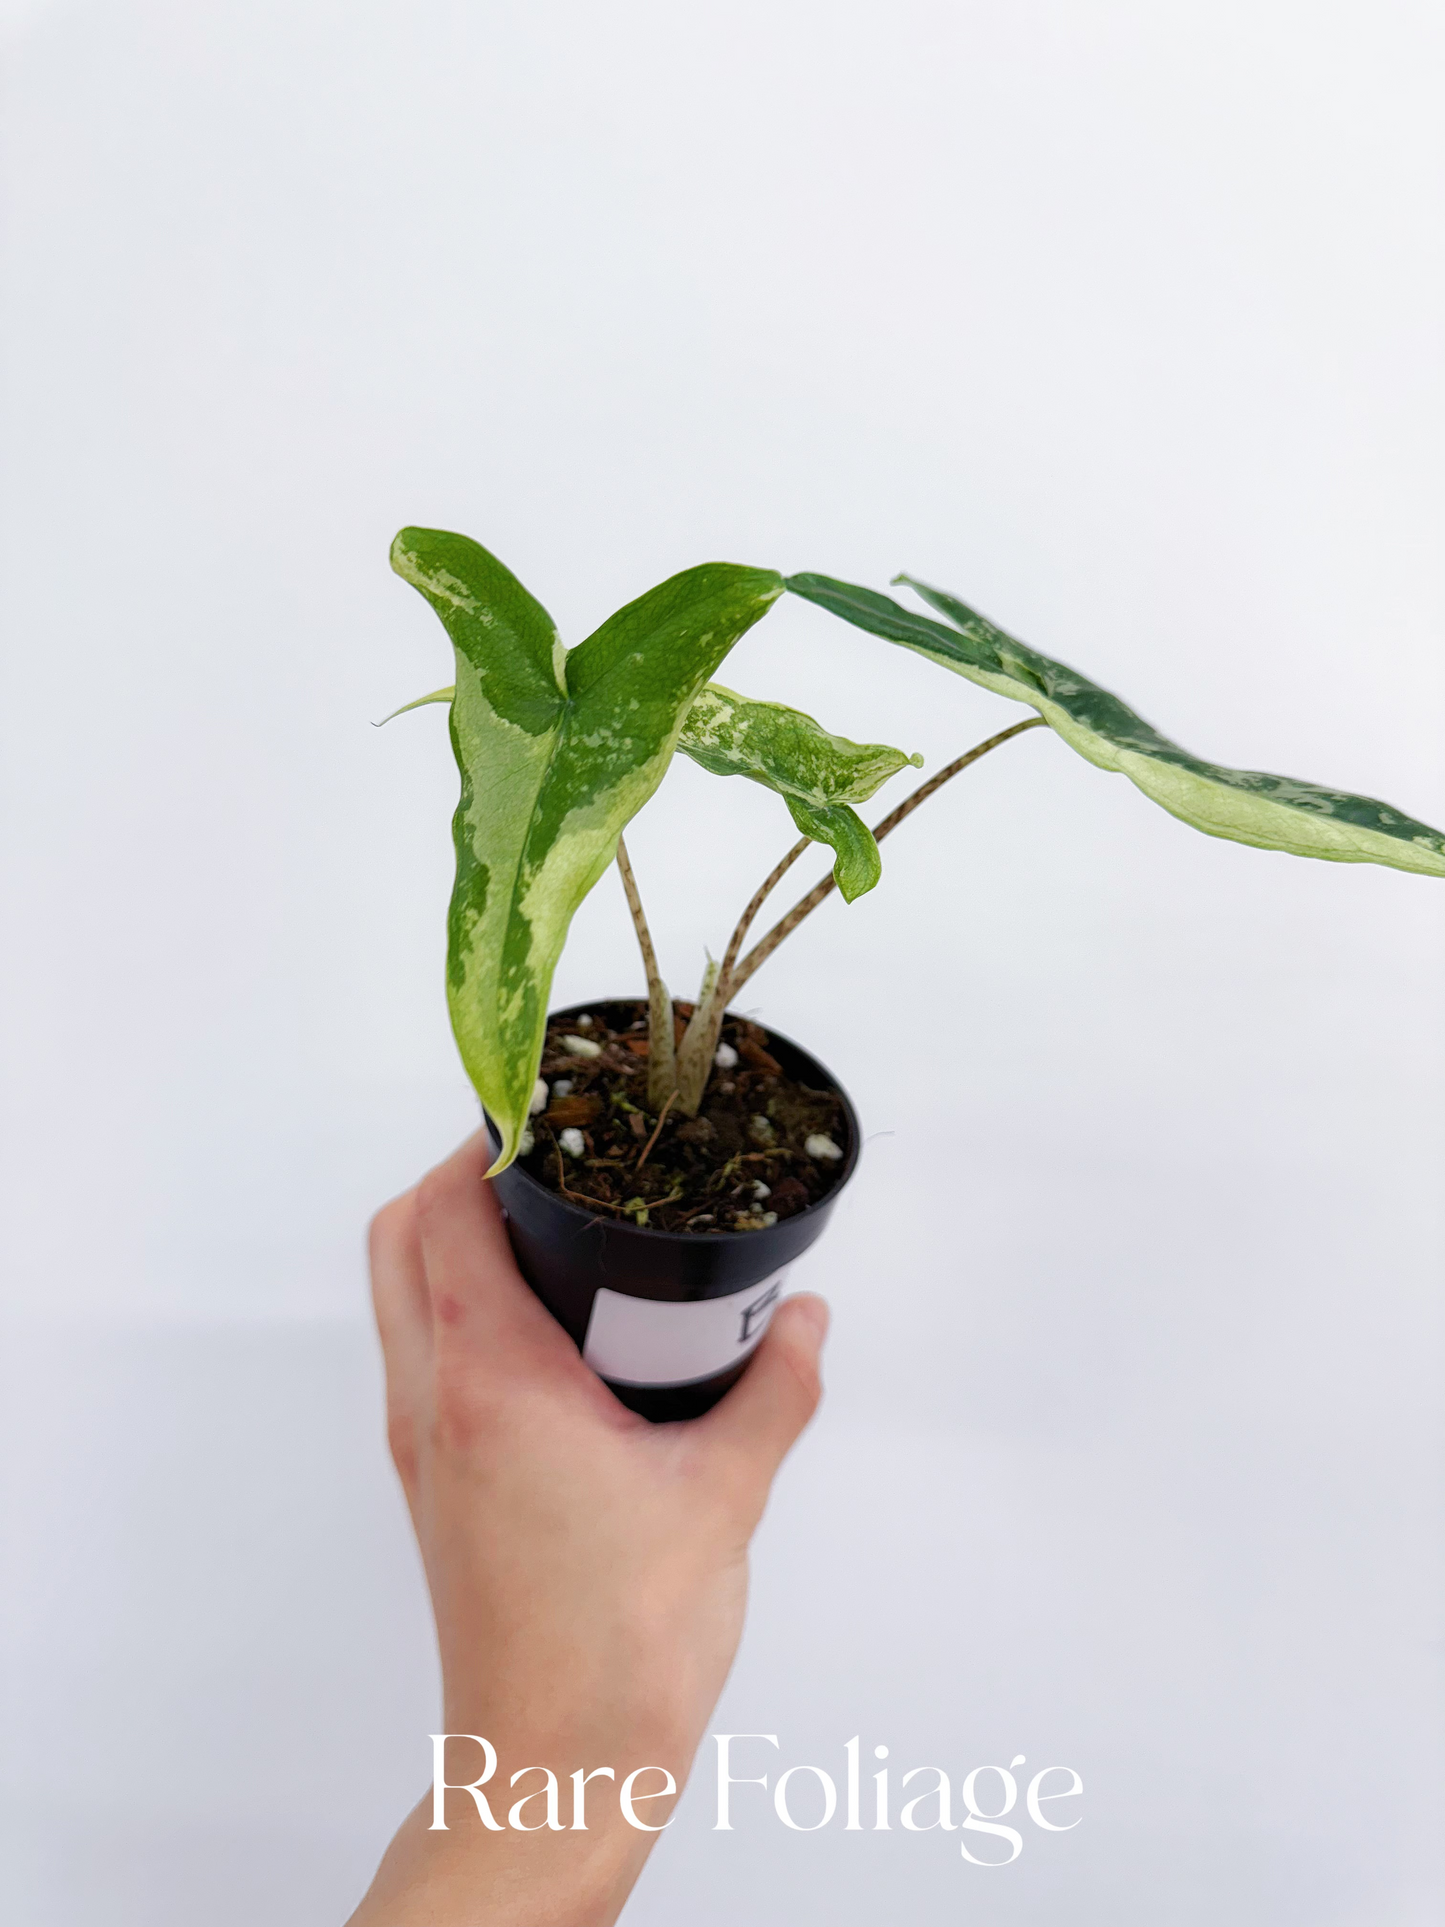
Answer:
(479, 1300)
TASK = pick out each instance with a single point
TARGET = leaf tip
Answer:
(506, 1145)
(436, 696)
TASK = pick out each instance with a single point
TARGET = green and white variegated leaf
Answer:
(818, 775)
(786, 750)
(1247, 806)
(857, 861)
(557, 750)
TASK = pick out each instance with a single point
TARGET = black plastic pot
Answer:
(668, 1319)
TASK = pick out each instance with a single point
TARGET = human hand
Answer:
(588, 1569)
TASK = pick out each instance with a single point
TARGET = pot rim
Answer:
(693, 1238)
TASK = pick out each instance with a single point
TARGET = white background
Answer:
(1121, 320)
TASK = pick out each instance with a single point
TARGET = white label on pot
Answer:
(655, 1341)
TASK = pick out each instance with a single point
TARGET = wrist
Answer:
(469, 1876)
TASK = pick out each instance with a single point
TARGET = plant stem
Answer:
(765, 890)
(695, 1055)
(699, 1041)
(764, 949)
(661, 1062)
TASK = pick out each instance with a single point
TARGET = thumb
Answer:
(759, 1420)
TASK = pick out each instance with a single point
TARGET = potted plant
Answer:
(661, 1165)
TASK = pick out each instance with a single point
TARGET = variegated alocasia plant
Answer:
(558, 749)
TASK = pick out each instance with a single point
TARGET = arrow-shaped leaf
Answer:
(557, 752)
(1248, 806)
(818, 775)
